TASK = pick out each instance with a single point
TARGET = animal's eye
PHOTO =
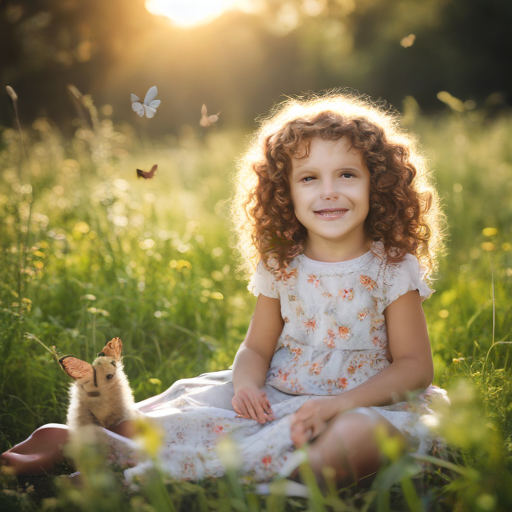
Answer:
(109, 376)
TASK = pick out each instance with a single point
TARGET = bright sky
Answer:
(190, 13)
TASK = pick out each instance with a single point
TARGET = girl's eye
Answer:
(307, 179)
(347, 175)
(109, 376)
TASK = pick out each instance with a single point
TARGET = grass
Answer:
(89, 252)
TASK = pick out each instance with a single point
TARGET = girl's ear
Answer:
(113, 348)
(76, 368)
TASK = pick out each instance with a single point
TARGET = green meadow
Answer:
(89, 252)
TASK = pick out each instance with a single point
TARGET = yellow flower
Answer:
(149, 435)
(444, 313)
(488, 246)
(489, 231)
(217, 296)
(506, 246)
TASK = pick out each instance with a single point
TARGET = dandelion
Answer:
(488, 246)
(489, 231)
(229, 454)
(149, 435)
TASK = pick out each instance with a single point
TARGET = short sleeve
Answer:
(263, 282)
(402, 278)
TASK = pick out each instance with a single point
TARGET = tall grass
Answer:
(88, 252)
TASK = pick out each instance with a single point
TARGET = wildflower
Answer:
(149, 435)
(489, 231)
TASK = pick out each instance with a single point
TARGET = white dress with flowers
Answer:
(334, 338)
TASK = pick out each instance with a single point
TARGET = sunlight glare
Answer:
(189, 13)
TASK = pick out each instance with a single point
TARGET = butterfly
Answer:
(150, 104)
(147, 175)
(207, 120)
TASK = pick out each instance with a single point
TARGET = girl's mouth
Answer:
(331, 213)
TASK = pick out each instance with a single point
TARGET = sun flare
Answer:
(189, 13)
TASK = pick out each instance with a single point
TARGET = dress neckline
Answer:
(345, 266)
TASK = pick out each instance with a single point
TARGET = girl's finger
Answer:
(251, 411)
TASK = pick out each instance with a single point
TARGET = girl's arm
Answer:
(411, 369)
(253, 359)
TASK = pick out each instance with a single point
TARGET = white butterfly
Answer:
(207, 120)
(150, 104)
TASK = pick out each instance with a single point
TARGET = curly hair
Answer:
(404, 206)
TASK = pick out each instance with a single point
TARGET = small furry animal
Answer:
(101, 394)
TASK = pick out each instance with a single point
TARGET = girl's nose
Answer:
(328, 192)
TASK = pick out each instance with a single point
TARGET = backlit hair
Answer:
(404, 206)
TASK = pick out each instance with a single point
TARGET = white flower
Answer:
(150, 104)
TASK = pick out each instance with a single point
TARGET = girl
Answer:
(335, 212)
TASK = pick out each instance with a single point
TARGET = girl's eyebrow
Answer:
(298, 168)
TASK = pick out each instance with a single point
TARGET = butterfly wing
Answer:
(134, 97)
(204, 111)
(150, 95)
(204, 122)
(154, 103)
(150, 112)
(138, 107)
(213, 119)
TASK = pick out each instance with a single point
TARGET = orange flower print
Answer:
(299, 310)
(329, 340)
(344, 332)
(351, 370)
(283, 376)
(312, 279)
(327, 294)
(297, 351)
(367, 282)
(315, 369)
(378, 342)
(347, 293)
(342, 382)
(362, 314)
(310, 324)
(288, 275)
(218, 429)
(286, 319)
(267, 461)
(292, 298)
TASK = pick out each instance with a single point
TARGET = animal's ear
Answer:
(113, 348)
(76, 368)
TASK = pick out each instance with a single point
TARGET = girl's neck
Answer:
(333, 253)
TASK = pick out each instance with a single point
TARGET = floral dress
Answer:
(334, 338)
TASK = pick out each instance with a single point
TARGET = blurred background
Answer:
(241, 56)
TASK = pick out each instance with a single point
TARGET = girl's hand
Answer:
(311, 420)
(251, 402)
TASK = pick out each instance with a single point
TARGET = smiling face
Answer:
(330, 191)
